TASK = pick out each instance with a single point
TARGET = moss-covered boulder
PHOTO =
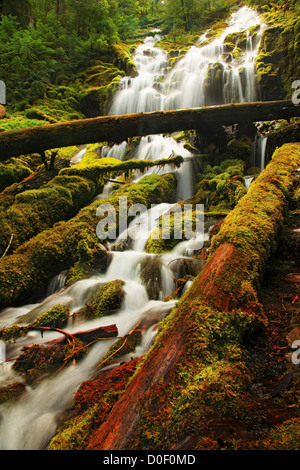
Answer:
(107, 299)
(12, 391)
(213, 84)
(56, 317)
(38, 360)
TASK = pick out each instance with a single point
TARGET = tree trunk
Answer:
(116, 129)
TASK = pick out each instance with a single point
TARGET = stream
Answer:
(30, 422)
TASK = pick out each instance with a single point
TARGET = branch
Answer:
(8, 246)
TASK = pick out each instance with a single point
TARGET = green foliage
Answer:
(220, 187)
(44, 43)
(192, 15)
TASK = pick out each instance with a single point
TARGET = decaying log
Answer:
(120, 128)
(110, 331)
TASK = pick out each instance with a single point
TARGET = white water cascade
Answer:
(30, 422)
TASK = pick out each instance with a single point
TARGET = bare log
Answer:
(119, 128)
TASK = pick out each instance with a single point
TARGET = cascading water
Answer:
(30, 422)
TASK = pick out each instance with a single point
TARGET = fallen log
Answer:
(228, 282)
(110, 331)
(114, 129)
(88, 336)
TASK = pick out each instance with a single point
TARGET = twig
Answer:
(123, 344)
(8, 246)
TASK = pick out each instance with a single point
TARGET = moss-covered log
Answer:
(33, 264)
(120, 128)
(197, 363)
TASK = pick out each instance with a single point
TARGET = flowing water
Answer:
(30, 422)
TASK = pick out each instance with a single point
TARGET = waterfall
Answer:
(259, 151)
(57, 283)
(263, 147)
(206, 75)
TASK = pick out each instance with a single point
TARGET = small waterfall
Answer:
(248, 180)
(57, 283)
(259, 151)
(78, 157)
(117, 151)
(263, 147)
(208, 75)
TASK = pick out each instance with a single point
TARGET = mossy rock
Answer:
(106, 300)
(56, 317)
(173, 228)
(222, 186)
(278, 56)
(213, 83)
(151, 276)
(12, 391)
(90, 262)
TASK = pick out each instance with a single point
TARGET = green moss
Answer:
(277, 62)
(11, 391)
(94, 167)
(211, 376)
(220, 187)
(16, 169)
(105, 301)
(56, 317)
(172, 229)
(36, 210)
(12, 333)
(75, 437)
(284, 436)
(266, 201)
(236, 41)
(151, 276)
